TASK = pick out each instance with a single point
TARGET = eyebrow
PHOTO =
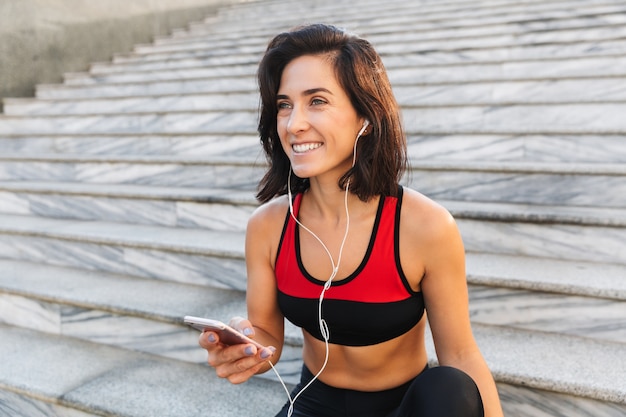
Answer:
(308, 92)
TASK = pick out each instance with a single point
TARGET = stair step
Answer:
(447, 11)
(155, 88)
(259, 37)
(504, 228)
(594, 318)
(94, 374)
(421, 23)
(104, 380)
(171, 71)
(523, 402)
(522, 119)
(233, 171)
(505, 57)
(521, 357)
(132, 313)
(189, 102)
(547, 275)
(427, 34)
(428, 29)
(537, 214)
(518, 182)
(209, 58)
(486, 94)
(412, 42)
(118, 294)
(208, 257)
(381, 24)
(190, 144)
(176, 69)
(528, 63)
(565, 70)
(226, 210)
(605, 149)
(597, 118)
(417, 13)
(89, 304)
(194, 75)
(557, 241)
(564, 37)
(173, 122)
(122, 311)
(201, 256)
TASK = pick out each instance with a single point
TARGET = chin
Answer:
(302, 173)
(304, 170)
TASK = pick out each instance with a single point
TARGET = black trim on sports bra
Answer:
(359, 268)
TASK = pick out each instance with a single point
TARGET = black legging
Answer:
(436, 392)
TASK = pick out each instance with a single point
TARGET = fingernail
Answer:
(249, 350)
(212, 338)
(266, 353)
(247, 331)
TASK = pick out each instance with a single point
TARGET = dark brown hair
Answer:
(381, 159)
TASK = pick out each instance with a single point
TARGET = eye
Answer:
(283, 105)
(317, 101)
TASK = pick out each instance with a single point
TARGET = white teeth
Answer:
(304, 147)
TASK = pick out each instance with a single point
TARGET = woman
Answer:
(344, 252)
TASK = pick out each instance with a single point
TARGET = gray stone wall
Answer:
(42, 39)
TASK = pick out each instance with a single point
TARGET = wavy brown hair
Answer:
(382, 159)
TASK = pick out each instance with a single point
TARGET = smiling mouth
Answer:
(305, 147)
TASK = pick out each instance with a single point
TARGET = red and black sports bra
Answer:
(372, 305)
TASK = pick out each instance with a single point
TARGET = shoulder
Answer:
(422, 214)
(429, 238)
(265, 226)
(267, 214)
(428, 228)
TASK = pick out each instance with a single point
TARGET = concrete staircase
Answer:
(124, 195)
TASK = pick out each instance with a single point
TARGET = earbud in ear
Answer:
(365, 125)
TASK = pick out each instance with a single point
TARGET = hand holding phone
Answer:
(226, 334)
(232, 356)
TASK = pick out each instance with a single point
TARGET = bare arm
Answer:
(265, 323)
(262, 239)
(445, 293)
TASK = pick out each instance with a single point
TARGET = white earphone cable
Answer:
(335, 269)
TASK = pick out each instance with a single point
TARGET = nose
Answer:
(298, 120)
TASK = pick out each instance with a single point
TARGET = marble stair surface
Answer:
(124, 194)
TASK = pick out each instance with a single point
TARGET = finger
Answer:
(208, 340)
(240, 370)
(243, 325)
(226, 355)
(241, 377)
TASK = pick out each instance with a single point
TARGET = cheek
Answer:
(284, 143)
(281, 130)
(281, 127)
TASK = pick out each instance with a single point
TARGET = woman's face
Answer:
(316, 121)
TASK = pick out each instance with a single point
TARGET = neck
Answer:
(328, 202)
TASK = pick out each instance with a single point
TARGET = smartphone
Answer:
(227, 334)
